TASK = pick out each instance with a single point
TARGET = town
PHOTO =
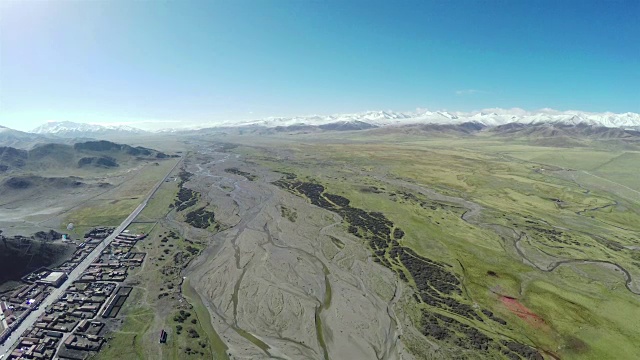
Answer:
(73, 326)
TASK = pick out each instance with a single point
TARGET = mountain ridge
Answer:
(14, 138)
(369, 119)
(99, 154)
(488, 117)
(74, 129)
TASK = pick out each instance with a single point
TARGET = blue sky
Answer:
(167, 61)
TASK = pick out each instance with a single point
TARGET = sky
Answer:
(167, 63)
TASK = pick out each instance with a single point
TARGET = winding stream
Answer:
(471, 216)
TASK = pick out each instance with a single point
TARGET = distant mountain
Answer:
(565, 129)
(436, 130)
(99, 154)
(15, 138)
(347, 125)
(248, 129)
(70, 129)
(487, 118)
(474, 121)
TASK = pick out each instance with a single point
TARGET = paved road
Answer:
(56, 293)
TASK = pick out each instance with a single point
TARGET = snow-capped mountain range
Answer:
(488, 117)
(73, 129)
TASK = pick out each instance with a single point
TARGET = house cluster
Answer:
(70, 320)
(72, 327)
(17, 306)
(38, 284)
(115, 261)
(91, 240)
(46, 276)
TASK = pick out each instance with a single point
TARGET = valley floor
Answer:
(330, 248)
(531, 261)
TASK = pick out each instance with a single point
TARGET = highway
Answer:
(73, 276)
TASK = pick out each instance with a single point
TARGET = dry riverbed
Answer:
(282, 280)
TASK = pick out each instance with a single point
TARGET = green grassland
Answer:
(157, 207)
(586, 309)
(112, 207)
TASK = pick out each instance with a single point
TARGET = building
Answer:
(55, 278)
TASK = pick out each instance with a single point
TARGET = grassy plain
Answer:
(565, 204)
(113, 206)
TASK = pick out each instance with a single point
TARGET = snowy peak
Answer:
(72, 129)
(487, 117)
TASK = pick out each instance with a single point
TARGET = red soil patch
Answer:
(522, 311)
